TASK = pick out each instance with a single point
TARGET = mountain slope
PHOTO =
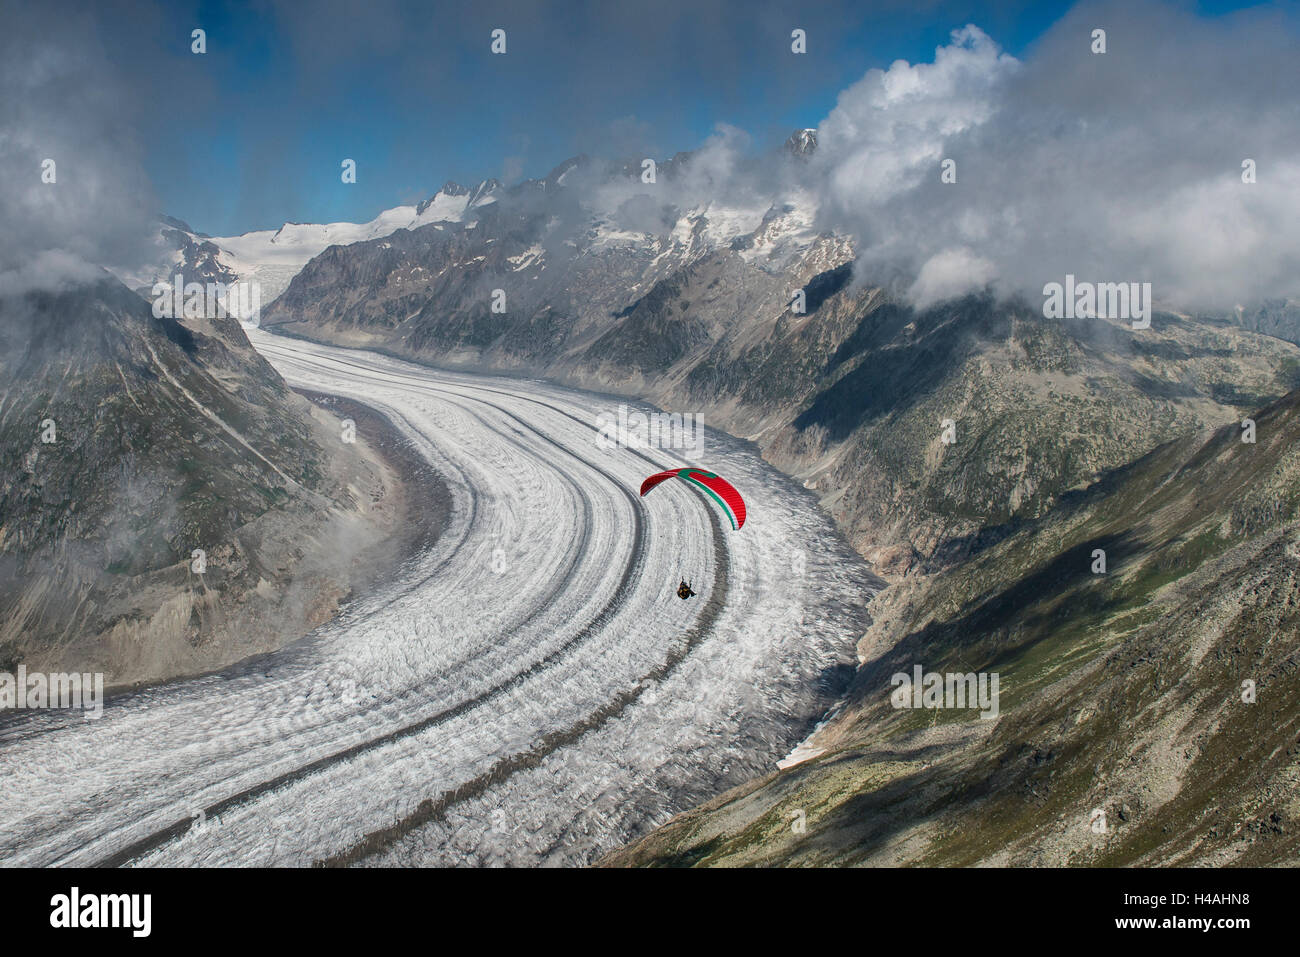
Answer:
(1121, 693)
(133, 443)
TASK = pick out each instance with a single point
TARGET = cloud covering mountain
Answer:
(1124, 165)
(1117, 166)
(63, 102)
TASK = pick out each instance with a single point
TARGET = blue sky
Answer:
(252, 133)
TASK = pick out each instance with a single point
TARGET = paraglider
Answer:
(716, 487)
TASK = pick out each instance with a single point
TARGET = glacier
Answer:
(528, 691)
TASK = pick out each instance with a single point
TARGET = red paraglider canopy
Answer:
(719, 489)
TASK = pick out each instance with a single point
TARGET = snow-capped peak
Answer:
(802, 142)
(273, 257)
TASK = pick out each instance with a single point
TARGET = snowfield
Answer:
(273, 257)
(529, 691)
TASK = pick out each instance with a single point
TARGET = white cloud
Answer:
(61, 102)
(950, 273)
(1123, 166)
(51, 270)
